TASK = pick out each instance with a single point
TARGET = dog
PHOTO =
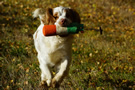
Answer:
(54, 51)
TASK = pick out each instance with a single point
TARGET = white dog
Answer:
(54, 51)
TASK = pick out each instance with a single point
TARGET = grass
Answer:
(99, 61)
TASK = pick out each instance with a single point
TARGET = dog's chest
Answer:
(57, 48)
(54, 42)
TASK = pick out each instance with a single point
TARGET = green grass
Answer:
(98, 61)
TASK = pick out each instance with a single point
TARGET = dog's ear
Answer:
(75, 16)
(49, 19)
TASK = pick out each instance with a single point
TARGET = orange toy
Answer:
(49, 30)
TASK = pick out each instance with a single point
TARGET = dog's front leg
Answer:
(63, 71)
(45, 74)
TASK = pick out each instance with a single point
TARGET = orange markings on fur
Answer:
(49, 30)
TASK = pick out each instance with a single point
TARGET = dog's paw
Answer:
(43, 85)
(55, 84)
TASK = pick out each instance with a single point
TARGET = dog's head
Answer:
(60, 16)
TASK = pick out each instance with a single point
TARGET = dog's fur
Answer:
(54, 51)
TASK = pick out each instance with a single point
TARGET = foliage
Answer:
(99, 61)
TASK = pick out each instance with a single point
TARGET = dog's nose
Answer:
(63, 21)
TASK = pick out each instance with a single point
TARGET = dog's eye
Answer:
(60, 14)
(56, 17)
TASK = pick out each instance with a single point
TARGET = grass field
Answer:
(99, 62)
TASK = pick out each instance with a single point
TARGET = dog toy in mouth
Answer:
(73, 28)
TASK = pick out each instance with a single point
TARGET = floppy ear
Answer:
(49, 19)
(75, 15)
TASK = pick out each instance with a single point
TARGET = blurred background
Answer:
(99, 62)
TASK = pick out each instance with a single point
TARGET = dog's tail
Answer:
(39, 13)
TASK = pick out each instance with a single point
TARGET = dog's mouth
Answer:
(64, 25)
(64, 35)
